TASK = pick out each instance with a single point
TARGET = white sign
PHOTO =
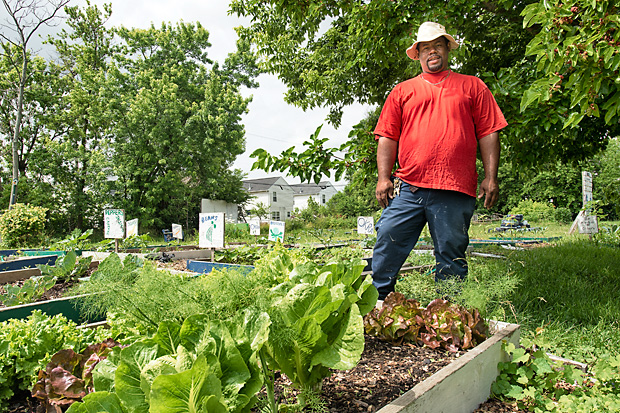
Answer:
(211, 230)
(177, 231)
(587, 224)
(114, 223)
(254, 226)
(132, 228)
(365, 225)
(276, 231)
(586, 185)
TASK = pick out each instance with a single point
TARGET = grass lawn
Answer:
(565, 296)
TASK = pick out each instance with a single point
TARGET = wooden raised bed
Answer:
(463, 385)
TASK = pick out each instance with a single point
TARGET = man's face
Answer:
(434, 55)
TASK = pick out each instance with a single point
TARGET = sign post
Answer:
(276, 231)
(114, 225)
(586, 222)
(254, 228)
(177, 231)
(132, 228)
(211, 231)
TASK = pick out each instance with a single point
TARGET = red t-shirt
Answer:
(437, 128)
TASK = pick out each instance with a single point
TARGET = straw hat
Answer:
(427, 32)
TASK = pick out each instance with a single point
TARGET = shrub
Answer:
(562, 215)
(22, 226)
(534, 211)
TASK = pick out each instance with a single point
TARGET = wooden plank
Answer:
(18, 275)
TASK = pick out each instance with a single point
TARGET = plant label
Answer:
(211, 230)
(365, 225)
(254, 226)
(177, 231)
(276, 231)
(132, 228)
(114, 223)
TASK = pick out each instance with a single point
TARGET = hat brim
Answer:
(413, 53)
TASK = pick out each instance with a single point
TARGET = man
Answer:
(433, 124)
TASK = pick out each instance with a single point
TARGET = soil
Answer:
(384, 373)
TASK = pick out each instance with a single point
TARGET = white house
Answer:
(320, 193)
(274, 193)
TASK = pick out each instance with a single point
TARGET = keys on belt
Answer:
(397, 184)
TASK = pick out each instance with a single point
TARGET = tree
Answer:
(179, 127)
(25, 18)
(80, 154)
(577, 49)
(334, 52)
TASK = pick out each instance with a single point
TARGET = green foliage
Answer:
(26, 345)
(576, 49)
(22, 226)
(77, 240)
(317, 321)
(139, 292)
(539, 384)
(67, 267)
(439, 325)
(31, 290)
(244, 254)
(533, 211)
(200, 365)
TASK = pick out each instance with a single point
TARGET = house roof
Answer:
(261, 184)
(310, 189)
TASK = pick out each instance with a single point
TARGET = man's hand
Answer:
(489, 188)
(384, 192)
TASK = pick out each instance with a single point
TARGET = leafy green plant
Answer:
(201, 365)
(245, 254)
(440, 324)
(317, 323)
(67, 267)
(534, 211)
(539, 384)
(77, 240)
(138, 291)
(31, 290)
(22, 226)
(26, 345)
(68, 376)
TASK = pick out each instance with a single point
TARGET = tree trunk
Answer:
(16, 130)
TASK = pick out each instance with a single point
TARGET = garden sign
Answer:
(254, 226)
(211, 230)
(365, 225)
(114, 223)
(177, 231)
(276, 231)
(132, 228)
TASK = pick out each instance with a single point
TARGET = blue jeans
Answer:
(448, 214)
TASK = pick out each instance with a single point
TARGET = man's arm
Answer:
(489, 152)
(386, 156)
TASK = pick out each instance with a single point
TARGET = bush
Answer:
(534, 211)
(563, 215)
(22, 226)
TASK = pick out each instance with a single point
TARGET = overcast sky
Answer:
(271, 123)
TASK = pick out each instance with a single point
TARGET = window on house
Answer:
(288, 214)
(274, 197)
(275, 215)
(323, 199)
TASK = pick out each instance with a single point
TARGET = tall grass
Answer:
(566, 297)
